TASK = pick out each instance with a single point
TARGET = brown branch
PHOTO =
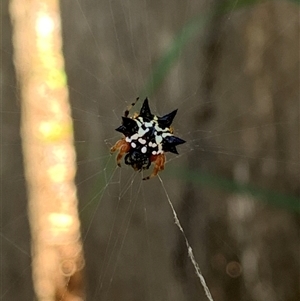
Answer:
(49, 156)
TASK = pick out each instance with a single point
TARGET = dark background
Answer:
(235, 184)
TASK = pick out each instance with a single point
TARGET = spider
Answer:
(146, 138)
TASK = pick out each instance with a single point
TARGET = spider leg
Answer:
(126, 113)
(123, 148)
(159, 165)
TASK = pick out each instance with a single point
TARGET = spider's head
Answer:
(137, 160)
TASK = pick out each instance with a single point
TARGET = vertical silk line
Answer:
(189, 248)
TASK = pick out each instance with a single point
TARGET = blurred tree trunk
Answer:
(253, 252)
(49, 156)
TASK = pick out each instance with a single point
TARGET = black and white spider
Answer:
(146, 138)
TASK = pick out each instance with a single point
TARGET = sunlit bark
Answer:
(49, 156)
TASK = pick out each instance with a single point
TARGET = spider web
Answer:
(128, 227)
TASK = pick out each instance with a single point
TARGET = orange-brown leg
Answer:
(123, 148)
(159, 165)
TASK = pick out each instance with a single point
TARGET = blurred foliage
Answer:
(288, 202)
(188, 32)
(161, 70)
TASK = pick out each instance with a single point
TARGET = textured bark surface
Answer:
(48, 151)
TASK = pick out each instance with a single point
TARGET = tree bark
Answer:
(49, 156)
